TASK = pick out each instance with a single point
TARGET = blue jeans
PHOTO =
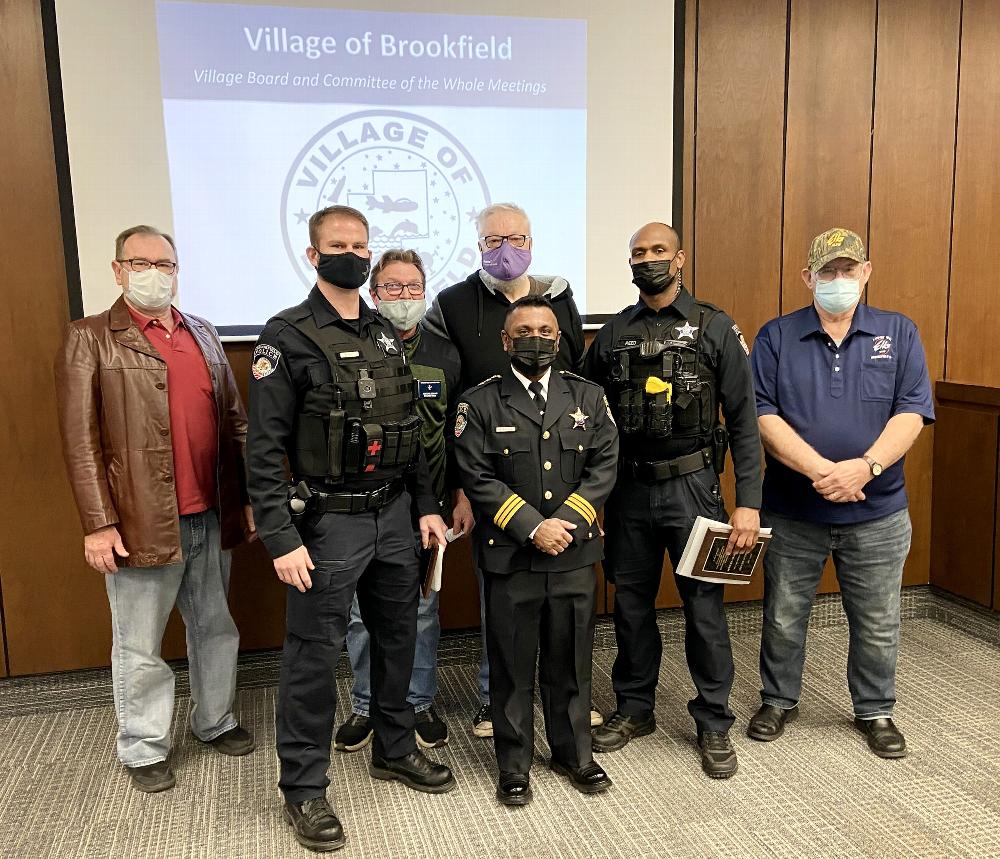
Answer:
(868, 557)
(141, 599)
(423, 679)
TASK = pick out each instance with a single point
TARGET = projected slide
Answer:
(418, 120)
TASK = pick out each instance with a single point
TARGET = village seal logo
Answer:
(417, 185)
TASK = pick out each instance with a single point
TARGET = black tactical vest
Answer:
(358, 418)
(663, 389)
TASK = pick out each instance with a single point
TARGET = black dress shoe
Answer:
(415, 770)
(152, 778)
(234, 742)
(768, 723)
(514, 789)
(615, 733)
(314, 824)
(884, 738)
(718, 757)
(590, 778)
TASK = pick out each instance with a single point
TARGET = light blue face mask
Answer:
(838, 295)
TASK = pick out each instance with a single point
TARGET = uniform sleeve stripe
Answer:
(583, 513)
(586, 514)
(511, 513)
(583, 502)
(505, 507)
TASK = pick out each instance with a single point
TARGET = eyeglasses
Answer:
(493, 242)
(395, 289)
(139, 264)
(829, 272)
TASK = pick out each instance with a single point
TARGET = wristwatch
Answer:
(875, 467)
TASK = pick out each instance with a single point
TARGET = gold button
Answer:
(491, 541)
(546, 434)
(547, 466)
(548, 494)
(579, 447)
(506, 451)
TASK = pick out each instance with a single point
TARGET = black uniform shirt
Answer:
(724, 351)
(275, 400)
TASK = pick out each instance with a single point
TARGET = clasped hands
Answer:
(842, 481)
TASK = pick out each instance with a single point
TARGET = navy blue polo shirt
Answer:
(839, 399)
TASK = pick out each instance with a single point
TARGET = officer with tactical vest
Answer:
(668, 363)
(332, 391)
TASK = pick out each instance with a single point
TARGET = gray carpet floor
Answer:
(817, 792)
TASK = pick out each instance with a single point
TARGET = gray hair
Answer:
(500, 209)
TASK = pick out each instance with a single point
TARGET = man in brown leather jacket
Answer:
(153, 436)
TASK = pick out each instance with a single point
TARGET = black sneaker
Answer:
(718, 757)
(314, 824)
(152, 778)
(235, 742)
(432, 730)
(615, 733)
(482, 722)
(354, 734)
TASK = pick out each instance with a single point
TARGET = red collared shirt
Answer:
(193, 418)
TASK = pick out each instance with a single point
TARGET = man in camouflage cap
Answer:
(842, 394)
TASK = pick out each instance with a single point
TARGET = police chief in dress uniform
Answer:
(538, 453)
(667, 364)
(331, 390)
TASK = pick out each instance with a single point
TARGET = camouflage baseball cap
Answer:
(833, 244)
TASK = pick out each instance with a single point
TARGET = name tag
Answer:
(348, 354)
(505, 429)
(429, 390)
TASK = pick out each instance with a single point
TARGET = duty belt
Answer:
(664, 469)
(357, 502)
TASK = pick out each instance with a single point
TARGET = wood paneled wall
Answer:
(878, 115)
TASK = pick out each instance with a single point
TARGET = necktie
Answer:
(535, 388)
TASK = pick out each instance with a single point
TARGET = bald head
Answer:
(654, 241)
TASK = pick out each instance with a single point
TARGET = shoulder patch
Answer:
(607, 405)
(461, 422)
(264, 361)
(741, 338)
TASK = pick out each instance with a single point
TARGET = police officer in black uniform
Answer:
(667, 364)
(538, 452)
(332, 391)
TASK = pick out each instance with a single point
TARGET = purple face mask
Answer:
(506, 262)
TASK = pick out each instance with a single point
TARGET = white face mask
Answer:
(838, 295)
(403, 313)
(150, 290)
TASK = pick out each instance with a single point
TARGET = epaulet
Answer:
(486, 382)
(294, 314)
(569, 374)
(708, 304)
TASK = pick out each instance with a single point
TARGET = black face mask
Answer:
(531, 355)
(348, 270)
(653, 277)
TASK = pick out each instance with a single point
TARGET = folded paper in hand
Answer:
(706, 557)
(435, 563)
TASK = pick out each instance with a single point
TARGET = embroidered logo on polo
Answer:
(264, 361)
(881, 348)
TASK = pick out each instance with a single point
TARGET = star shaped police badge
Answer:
(579, 418)
(387, 343)
(686, 330)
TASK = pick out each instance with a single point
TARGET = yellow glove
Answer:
(655, 386)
